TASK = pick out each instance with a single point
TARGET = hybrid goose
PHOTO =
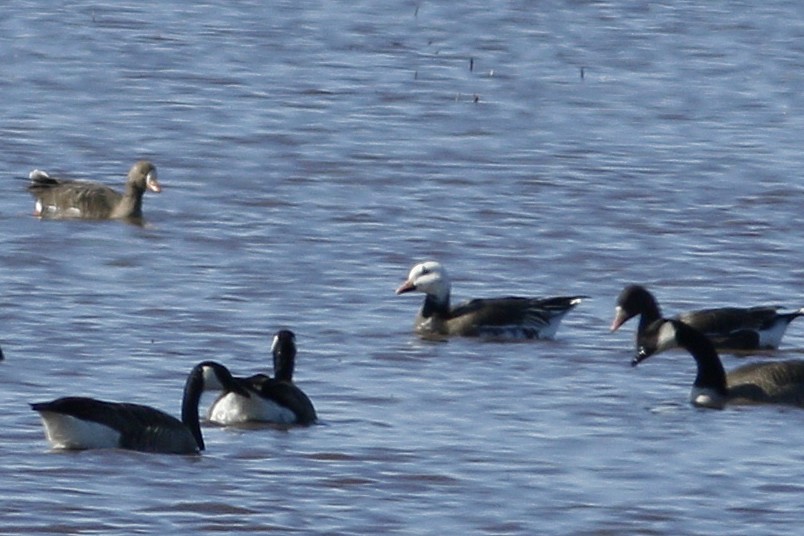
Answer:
(779, 382)
(276, 400)
(61, 198)
(504, 318)
(730, 328)
(86, 423)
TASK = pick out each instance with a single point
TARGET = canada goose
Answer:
(509, 317)
(61, 198)
(86, 423)
(277, 400)
(778, 382)
(729, 328)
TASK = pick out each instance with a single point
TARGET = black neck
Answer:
(189, 405)
(432, 306)
(711, 374)
(284, 362)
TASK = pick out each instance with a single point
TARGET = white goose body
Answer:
(511, 317)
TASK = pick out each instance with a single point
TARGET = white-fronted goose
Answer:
(779, 382)
(276, 400)
(61, 198)
(733, 329)
(87, 423)
(499, 318)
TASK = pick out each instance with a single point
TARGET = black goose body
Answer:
(511, 317)
(276, 400)
(736, 329)
(64, 199)
(87, 423)
(778, 382)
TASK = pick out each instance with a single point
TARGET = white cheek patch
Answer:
(667, 338)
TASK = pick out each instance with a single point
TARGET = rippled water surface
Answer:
(310, 153)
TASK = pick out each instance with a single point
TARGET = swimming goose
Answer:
(730, 328)
(779, 382)
(277, 400)
(86, 423)
(509, 317)
(60, 198)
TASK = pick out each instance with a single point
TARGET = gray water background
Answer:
(310, 153)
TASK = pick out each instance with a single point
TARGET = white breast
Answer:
(706, 398)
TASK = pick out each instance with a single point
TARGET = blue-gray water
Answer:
(310, 153)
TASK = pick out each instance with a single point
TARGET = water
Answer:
(310, 154)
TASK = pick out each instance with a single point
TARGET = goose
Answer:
(79, 423)
(61, 198)
(733, 329)
(777, 382)
(499, 318)
(276, 400)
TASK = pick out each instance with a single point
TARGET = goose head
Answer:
(428, 277)
(142, 176)
(215, 377)
(635, 300)
(283, 349)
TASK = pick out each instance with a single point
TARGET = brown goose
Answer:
(779, 382)
(277, 400)
(87, 423)
(61, 198)
(498, 318)
(734, 329)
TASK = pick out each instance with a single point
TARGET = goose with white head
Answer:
(511, 317)
(777, 382)
(80, 423)
(273, 400)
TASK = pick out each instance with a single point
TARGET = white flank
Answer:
(772, 338)
(232, 408)
(68, 432)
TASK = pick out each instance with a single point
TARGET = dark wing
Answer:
(533, 313)
(286, 394)
(92, 200)
(725, 320)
